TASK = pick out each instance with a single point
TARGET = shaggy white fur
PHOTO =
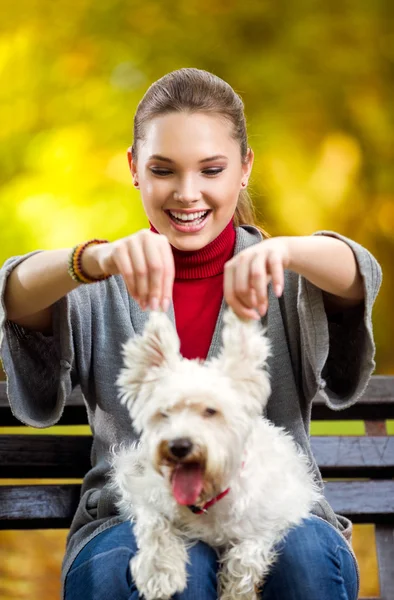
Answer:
(203, 431)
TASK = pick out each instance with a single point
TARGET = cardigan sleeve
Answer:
(40, 369)
(337, 353)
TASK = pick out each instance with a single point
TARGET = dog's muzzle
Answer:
(180, 447)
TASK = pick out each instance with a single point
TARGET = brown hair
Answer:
(195, 90)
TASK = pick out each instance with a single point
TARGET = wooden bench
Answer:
(363, 469)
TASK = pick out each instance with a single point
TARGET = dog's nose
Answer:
(180, 447)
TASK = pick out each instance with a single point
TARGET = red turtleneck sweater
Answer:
(198, 291)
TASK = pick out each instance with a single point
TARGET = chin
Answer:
(189, 243)
(194, 241)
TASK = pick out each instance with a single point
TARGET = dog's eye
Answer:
(163, 414)
(209, 412)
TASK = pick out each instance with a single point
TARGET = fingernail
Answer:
(262, 309)
(278, 290)
(154, 304)
(143, 305)
(166, 304)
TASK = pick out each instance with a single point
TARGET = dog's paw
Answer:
(234, 594)
(239, 588)
(157, 583)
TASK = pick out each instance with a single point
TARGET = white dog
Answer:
(208, 466)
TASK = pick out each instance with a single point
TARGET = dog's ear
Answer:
(244, 357)
(145, 355)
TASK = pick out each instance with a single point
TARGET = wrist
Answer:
(89, 262)
(290, 254)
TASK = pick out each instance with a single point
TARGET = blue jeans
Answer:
(314, 563)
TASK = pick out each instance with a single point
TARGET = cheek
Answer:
(233, 178)
(237, 428)
(149, 190)
(229, 436)
(152, 437)
(227, 195)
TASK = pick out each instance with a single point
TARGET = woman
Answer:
(67, 313)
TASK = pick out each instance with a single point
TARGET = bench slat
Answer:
(75, 414)
(44, 456)
(52, 506)
(362, 501)
(354, 456)
(38, 506)
(49, 456)
(377, 404)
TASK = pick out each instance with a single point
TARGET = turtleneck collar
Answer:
(205, 262)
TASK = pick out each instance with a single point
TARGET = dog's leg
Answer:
(243, 569)
(159, 567)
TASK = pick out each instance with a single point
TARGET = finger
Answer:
(155, 265)
(242, 311)
(140, 269)
(105, 258)
(258, 282)
(241, 280)
(275, 268)
(123, 264)
(168, 275)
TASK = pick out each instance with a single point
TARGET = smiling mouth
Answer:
(188, 219)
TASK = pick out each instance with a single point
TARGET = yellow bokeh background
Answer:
(317, 80)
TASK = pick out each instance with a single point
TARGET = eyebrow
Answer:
(169, 160)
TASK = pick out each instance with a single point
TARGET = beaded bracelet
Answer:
(75, 263)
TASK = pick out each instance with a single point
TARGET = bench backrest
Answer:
(343, 458)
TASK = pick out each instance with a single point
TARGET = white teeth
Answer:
(190, 216)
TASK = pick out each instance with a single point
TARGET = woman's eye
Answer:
(214, 171)
(210, 172)
(209, 412)
(160, 172)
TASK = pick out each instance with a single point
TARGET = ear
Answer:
(130, 159)
(244, 358)
(146, 355)
(132, 163)
(247, 165)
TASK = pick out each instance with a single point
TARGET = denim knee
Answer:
(314, 563)
(202, 574)
(111, 538)
(102, 569)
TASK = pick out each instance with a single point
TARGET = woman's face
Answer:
(189, 166)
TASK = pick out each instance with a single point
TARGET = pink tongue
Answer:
(187, 483)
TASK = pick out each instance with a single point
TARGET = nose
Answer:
(180, 447)
(188, 191)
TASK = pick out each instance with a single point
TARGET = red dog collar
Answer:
(198, 511)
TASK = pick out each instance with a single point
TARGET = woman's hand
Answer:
(145, 261)
(247, 275)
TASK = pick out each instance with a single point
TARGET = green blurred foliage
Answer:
(317, 81)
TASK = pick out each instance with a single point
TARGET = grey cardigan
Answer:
(311, 357)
